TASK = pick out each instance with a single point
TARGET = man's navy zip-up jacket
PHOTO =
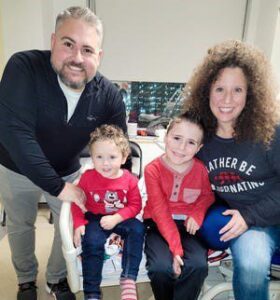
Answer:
(35, 138)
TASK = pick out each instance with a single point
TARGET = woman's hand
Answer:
(79, 231)
(177, 264)
(191, 226)
(235, 227)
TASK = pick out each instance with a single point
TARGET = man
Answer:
(50, 101)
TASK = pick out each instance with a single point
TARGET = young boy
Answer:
(179, 194)
(113, 201)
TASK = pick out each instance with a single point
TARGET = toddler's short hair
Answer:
(111, 133)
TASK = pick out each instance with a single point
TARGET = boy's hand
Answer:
(109, 222)
(177, 264)
(191, 226)
(77, 235)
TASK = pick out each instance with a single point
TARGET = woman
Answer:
(233, 92)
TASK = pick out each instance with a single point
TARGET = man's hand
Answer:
(235, 227)
(109, 222)
(72, 193)
(177, 264)
(191, 226)
(77, 235)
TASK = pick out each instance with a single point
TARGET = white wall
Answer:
(28, 24)
(261, 26)
(263, 30)
(150, 40)
(163, 40)
(21, 25)
(275, 56)
(1, 43)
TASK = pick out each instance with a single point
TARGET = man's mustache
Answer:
(77, 65)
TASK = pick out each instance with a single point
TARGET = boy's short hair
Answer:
(190, 116)
(111, 133)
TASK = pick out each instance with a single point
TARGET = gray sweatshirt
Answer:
(246, 176)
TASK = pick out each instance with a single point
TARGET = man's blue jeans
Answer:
(251, 252)
(131, 230)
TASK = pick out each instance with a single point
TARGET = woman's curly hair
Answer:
(261, 115)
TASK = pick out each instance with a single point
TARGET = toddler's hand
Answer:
(177, 264)
(191, 226)
(109, 222)
(77, 235)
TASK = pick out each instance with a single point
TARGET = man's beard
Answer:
(75, 85)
